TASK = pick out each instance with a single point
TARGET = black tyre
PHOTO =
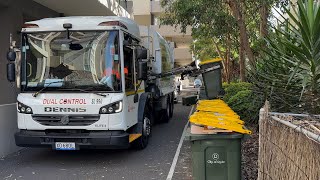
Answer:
(142, 142)
(171, 106)
(166, 112)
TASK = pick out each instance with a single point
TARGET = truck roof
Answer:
(83, 23)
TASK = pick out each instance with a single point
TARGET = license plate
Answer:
(65, 146)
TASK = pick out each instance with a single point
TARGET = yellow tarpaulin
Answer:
(216, 113)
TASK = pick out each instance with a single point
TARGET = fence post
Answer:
(263, 116)
(261, 119)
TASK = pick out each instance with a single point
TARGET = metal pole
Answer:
(292, 114)
(299, 129)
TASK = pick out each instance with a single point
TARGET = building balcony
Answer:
(171, 31)
(182, 56)
(182, 53)
(141, 7)
(156, 7)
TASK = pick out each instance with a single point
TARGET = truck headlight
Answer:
(111, 108)
(23, 108)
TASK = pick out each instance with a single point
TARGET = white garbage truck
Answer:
(90, 82)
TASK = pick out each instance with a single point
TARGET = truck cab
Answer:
(82, 82)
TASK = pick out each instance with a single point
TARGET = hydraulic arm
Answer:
(190, 69)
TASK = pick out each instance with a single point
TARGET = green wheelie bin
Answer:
(212, 78)
(216, 156)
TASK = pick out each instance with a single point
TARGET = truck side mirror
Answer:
(11, 72)
(11, 56)
(142, 70)
(141, 53)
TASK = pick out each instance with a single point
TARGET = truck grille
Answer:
(66, 120)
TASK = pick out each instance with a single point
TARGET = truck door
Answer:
(132, 89)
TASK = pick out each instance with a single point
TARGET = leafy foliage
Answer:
(233, 88)
(242, 99)
(290, 73)
(215, 29)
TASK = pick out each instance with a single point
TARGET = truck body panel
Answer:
(162, 59)
(85, 23)
(48, 106)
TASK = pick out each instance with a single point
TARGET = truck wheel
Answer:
(142, 142)
(171, 107)
(166, 112)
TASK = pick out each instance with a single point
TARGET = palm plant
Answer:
(290, 72)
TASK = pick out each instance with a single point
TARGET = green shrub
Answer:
(233, 88)
(242, 99)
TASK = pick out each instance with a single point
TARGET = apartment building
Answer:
(147, 13)
(13, 14)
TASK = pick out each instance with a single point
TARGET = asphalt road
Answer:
(151, 163)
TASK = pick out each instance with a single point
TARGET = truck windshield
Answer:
(61, 60)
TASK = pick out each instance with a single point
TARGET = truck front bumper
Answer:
(88, 140)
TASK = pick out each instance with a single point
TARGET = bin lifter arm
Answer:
(190, 69)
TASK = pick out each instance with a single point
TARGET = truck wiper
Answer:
(103, 87)
(85, 90)
(45, 87)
